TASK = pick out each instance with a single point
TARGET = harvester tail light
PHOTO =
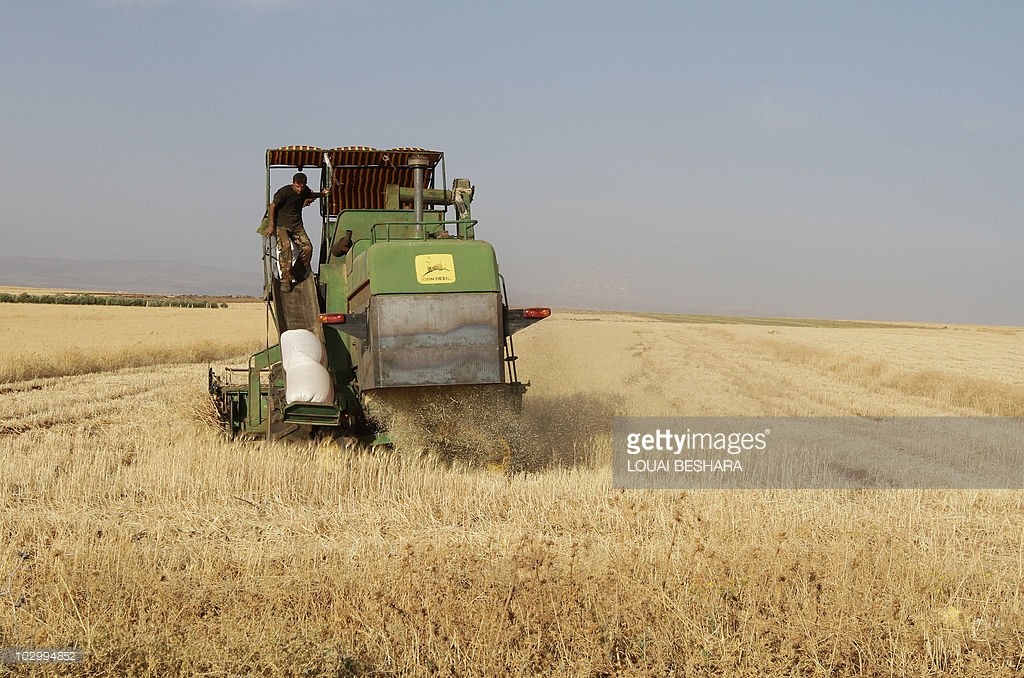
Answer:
(332, 318)
(536, 313)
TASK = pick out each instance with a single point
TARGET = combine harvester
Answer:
(407, 310)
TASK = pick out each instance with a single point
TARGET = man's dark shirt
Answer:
(289, 204)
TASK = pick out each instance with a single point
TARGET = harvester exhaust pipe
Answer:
(419, 163)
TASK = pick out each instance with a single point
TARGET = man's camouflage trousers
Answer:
(285, 237)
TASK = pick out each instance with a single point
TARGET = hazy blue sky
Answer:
(853, 159)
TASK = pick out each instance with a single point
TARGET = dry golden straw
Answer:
(133, 530)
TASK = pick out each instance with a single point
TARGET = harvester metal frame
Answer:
(405, 306)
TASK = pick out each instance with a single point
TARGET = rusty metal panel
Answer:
(434, 339)
(361, 174)
(295, 156)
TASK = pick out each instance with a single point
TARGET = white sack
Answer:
(307, 381)
(296, 344)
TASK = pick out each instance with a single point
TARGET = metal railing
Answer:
(464, 230)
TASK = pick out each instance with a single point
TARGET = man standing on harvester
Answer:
(286, 211)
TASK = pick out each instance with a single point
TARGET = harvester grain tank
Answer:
(406, 303)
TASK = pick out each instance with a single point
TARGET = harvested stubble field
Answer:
(132, 530)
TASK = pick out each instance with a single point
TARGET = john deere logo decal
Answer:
(435, 268)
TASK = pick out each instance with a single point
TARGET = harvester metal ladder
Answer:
(510, 352)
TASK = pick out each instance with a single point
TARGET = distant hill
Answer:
(153, 277)
(176, 277)
(598, 302)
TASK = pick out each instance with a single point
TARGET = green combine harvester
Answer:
(406, 307)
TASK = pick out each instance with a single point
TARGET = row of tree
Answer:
(104, 300)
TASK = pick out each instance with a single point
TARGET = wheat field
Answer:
(42, 340)
(134, 531)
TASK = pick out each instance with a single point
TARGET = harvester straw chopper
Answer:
(406, 309)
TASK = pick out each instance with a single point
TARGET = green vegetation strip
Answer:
(104, 300)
